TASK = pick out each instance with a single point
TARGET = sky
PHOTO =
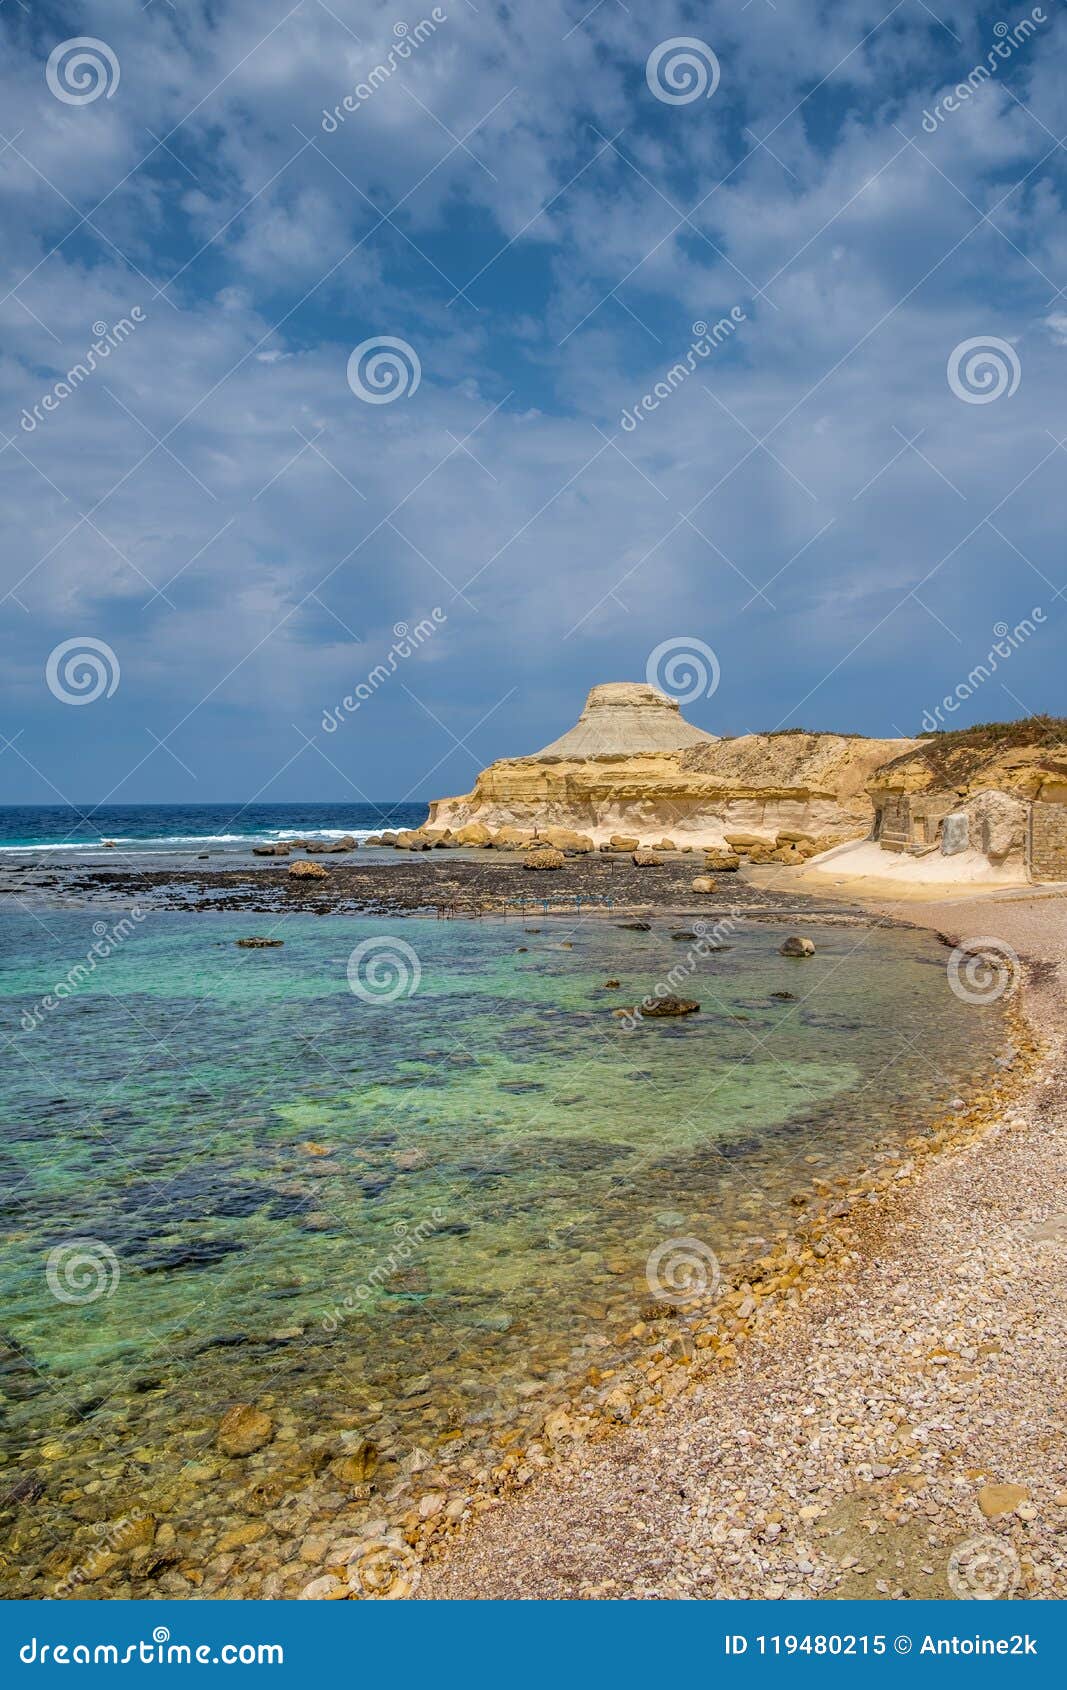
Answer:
(384, 303)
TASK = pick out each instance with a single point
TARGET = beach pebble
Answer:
(1001, 1499)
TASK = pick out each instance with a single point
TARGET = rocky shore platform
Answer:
(446, 884)
(876, 1414)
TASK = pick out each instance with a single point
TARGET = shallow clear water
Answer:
(503, 1156)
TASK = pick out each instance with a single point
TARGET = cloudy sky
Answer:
(538, 200)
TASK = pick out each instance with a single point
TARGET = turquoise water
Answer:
(406, 1210)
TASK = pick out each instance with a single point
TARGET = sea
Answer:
(399, 1188)
(183, 830)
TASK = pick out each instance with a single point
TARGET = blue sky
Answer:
(828, 500)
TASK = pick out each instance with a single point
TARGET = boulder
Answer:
(565, 839)
(796, 946)
(387, 839)
(244, 1430)
(955, 833)
(665, 845)
(721, 861)
(475, 833)
(623, 842)
(743, 842)
(270, 850)
(512, 838)
(545, 858)
(373, 839)
(657, 1008)
(645, 859)
(412, 839)
(307, 871)
(703, 883)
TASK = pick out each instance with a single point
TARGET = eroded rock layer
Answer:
(633, 766)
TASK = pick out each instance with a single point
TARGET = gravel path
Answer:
(852, 1443)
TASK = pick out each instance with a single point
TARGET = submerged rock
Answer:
(796, 946)
(257, 943)
(655, 1008)
(244, 1430)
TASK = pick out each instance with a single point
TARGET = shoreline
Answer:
(771, 1538)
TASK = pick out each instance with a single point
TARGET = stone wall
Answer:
(1048, 841)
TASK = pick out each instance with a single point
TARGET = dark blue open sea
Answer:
(178, 829)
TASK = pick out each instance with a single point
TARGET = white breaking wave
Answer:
(266, 836)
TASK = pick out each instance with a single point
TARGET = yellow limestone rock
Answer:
(633, 769)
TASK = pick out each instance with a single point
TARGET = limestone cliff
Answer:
(632, 765)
